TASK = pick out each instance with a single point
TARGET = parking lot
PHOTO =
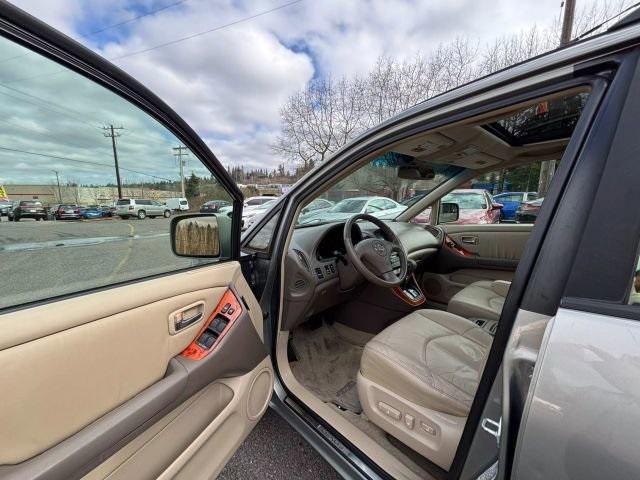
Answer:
(67, 256)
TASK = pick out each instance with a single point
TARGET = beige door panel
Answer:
(66, 364)
(499, 241)
(220, 415)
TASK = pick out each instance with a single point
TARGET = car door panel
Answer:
(492, 253)
(86, 373)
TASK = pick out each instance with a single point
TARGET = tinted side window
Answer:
(58, 134)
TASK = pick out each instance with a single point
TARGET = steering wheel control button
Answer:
(389, 411)
(319, 274)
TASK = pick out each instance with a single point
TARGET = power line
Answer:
(172, 42)
(180, 152)
(58, 157)
(108, 27)
(215, 29)
(111, 132)
(133, 19)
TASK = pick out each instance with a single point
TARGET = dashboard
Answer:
(318, 273)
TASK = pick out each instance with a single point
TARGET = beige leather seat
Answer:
(483, 299)
(418, 378)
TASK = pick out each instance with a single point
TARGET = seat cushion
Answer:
(479, 300)
(432, 358)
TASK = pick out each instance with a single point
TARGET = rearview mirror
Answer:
(199, 236)
(497, 206)
(416, 173)
(449, 212)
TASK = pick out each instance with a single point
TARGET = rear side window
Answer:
(65, 157)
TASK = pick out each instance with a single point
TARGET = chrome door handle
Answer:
(470, 240)
(186, 316)
(185, 322)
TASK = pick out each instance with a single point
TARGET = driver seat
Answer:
(418, 378)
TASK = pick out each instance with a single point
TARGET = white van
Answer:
(177, 203)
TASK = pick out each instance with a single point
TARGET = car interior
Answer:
(386, 326)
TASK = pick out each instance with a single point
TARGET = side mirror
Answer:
(200, 236)
(449, 212)
(497, 206)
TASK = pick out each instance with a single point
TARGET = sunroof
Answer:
(548, 120)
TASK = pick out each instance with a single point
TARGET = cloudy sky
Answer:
(228, 84)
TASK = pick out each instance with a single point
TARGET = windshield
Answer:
(466, 200)
(30, 204)
(378, 182)
(348, 206)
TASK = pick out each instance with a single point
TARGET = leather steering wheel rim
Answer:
(376, 253)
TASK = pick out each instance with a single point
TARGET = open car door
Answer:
(118, 358)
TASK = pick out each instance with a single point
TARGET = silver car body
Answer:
(141, 208)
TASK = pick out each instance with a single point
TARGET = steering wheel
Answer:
(373, 257)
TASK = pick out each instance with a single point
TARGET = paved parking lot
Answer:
(66, 256)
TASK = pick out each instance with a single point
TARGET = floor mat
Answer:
(327, 365)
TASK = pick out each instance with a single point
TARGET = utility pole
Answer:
(548, 167)
(181, 151)
(110, 131)
(58, 182)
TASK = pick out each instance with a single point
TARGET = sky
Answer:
(229, 84)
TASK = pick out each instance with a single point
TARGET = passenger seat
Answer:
(480, 300)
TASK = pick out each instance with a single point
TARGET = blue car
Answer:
(511, 202)
(92, 211)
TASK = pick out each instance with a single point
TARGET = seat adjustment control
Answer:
(389, 411)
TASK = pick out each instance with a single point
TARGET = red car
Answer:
(476, 207)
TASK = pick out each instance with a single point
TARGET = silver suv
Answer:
(141, 208)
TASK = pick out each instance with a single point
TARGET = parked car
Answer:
(177, 204)
(108, 210)
(5, 206)
(141, 208)
(511, 201)
(251, 214)
(528, 211)
(214, 206)
(29, 209)
(380, 207)
(475, 205)
(257, 201)
(92, 211)
(68, 211)
(315, 207)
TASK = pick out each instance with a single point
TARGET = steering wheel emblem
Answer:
(379, 248)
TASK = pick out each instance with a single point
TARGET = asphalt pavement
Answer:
(42, 259)
(275, 451)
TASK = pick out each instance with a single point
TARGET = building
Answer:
(49, 194)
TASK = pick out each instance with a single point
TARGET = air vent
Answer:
(300, 284)
(433, 230)
(303, 259)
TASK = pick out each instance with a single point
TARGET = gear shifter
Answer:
(409, 287)
(412, 266)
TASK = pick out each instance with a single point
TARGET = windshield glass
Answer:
(378, 181)
(466, 200)
(348, 206)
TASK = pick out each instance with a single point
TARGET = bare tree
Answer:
(327, 114)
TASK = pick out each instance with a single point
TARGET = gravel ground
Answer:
(274, 450)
